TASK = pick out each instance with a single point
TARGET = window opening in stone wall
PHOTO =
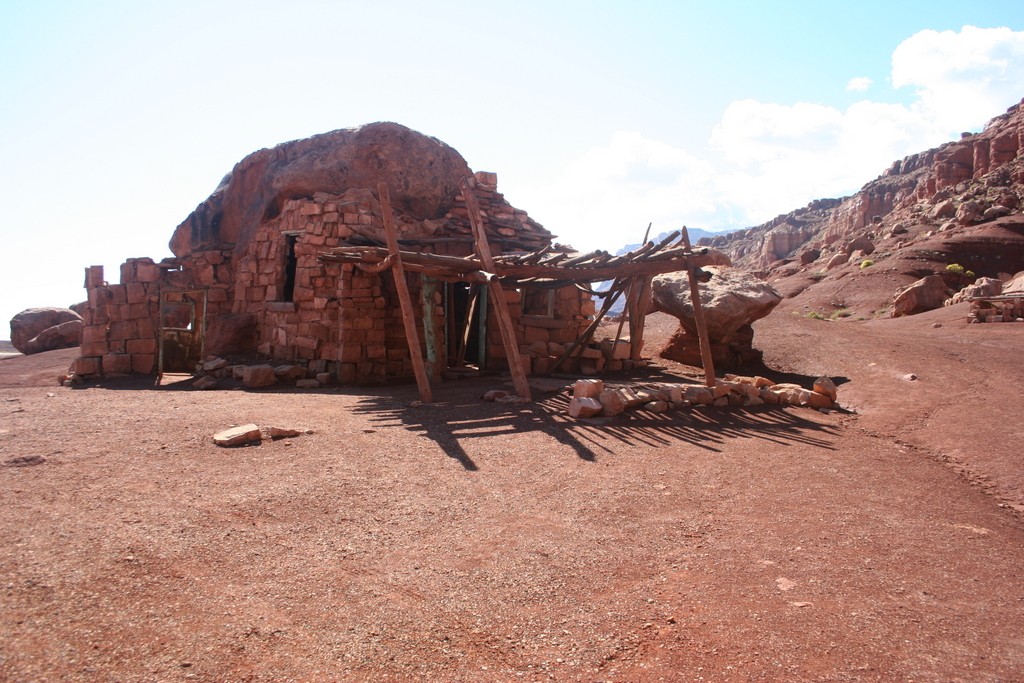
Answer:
(291, 264)
(539, 302)
(177, 315)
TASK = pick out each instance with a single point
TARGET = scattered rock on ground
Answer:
(238, 436)
(205, 382)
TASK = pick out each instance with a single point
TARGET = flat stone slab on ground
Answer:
(238, 436)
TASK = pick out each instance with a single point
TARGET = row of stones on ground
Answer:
(591, 397)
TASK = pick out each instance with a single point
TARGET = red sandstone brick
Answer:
(87, 365)
(141, 346)
(93, 348)
(117, 364)
(136, 293)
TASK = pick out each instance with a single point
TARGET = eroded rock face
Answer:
(31, 322)
(422, 175)
(732, 300)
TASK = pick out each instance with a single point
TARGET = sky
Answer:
(118, 118)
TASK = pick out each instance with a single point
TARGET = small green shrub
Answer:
(866, 263)
(955, 268)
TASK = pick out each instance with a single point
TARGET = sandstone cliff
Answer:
(960, 184)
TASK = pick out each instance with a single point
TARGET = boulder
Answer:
(861, 244)
(612, 402)
(205, 382)
(826, 387)
(840, 259)
(809, 256)
(926, 294)
(587, 388)
(64, 336)
(946, 209)
(30, 322)
(731, 300)
(422, 173)
(969, 213)
(1015, 285)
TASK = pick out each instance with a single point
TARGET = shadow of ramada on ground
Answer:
(459, 415)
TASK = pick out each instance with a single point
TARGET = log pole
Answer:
(505, 325)
(698, 316)
(408, 313)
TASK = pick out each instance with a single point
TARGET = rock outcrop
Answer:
(35, 330)
(422, 173)
(731, 300)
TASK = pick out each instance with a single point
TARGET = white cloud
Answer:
(773, 158)
(961, 79)
(859, 84)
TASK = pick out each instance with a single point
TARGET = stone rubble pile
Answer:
(591, 397)
(992, 301)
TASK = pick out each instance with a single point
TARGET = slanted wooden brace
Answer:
(505, 325)
(408, 313)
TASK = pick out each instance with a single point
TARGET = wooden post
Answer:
(408, 313)
(638, 317)
(430, 338)
(698, 315)
(508, 332)
(629, 295)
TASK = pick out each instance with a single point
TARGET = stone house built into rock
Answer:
(248, 280)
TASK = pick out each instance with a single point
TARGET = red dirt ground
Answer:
(473, 541)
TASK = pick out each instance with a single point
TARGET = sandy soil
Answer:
(473, 541)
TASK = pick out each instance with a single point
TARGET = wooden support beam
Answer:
(617, 287)
(638, 316)
(698, 317)
(508, 332)
(408, 313)
(644, 248)
(435, 357)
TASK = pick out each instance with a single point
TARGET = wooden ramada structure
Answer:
(351, 285)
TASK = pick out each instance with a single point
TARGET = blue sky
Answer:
(118, 118)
